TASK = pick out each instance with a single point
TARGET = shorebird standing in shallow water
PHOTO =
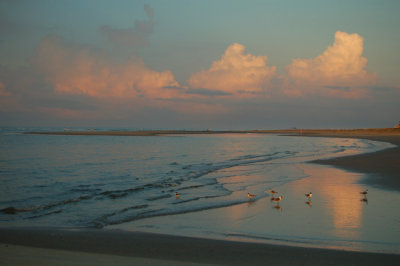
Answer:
(251, 196)
(365, 192)
(309, 196)
(273, 192)
(277, 200)
(177, 195)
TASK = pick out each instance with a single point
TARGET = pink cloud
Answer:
(80, 69)
(235, 73)
(7, 101)
(340, 71)
(3, 92)
(199, 108)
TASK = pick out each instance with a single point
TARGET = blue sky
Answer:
(178, 44)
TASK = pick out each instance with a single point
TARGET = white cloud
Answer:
(78, 69)
(340, 71)
(235, 73)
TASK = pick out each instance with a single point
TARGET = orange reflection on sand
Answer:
(336, 191)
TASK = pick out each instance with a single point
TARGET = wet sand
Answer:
(71, 247)
(382, 168)
(123, 247)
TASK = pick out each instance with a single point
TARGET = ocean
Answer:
(130, 183)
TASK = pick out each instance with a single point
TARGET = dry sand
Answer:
(24, 255)
(163, 249)
(47, 246)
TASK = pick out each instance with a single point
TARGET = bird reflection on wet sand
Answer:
(250, 202)
(365, 200)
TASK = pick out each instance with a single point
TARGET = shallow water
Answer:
(337, 216)
(130, 183)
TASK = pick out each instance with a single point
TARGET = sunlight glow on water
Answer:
(130, 183)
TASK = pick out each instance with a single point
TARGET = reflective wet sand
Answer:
(336, 217)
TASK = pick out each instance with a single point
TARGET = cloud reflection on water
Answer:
(337, 194)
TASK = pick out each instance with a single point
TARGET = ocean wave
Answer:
(121, 217)
(98, 187)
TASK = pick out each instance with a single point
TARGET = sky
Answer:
(186, 64)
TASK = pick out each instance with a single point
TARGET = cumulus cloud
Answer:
(136, 36)
(235, 73)
(340, 71)
(81, 69)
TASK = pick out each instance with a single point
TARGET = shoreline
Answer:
(380, 168)
(134, 245)
(306, 132)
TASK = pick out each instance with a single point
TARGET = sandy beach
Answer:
(120, 247)
(382, 167)
(48, 246)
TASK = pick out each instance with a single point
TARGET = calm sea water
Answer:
(97, 181)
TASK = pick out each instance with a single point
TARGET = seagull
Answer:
(365, 192)
(177, 195)
(309, 195)
(277, 200)
(250, 195)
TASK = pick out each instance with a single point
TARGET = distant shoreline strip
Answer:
(296, 132)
